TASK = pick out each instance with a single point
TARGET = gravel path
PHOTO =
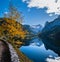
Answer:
(14, 56)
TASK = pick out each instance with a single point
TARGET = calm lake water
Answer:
(37, 52)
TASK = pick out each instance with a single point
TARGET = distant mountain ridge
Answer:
(34, 29)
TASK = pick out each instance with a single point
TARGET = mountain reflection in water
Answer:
(37, 53)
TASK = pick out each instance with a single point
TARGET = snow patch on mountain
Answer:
(36, 28)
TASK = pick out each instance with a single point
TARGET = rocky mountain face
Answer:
(51, 25)
(51, 35)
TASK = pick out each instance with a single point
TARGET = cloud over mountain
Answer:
(53, 6)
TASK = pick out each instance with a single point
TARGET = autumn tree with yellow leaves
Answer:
(13, 31)
(10, 27)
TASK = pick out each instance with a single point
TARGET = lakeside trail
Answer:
(10, 54)
(14, 55)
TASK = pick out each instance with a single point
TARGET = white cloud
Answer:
(50, 14)
(6, 12)
(56, 59)
(23, 0)
(53, 6)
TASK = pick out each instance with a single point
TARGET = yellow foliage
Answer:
(13, 28)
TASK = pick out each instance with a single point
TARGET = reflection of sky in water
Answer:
(38, 54)
(36, 42)
(56, 59)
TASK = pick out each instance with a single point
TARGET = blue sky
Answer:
(31, 16)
